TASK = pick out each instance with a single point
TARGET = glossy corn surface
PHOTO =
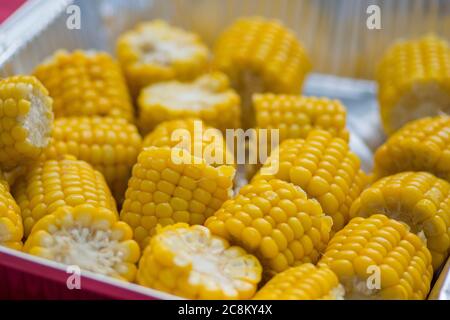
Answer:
(11, 227)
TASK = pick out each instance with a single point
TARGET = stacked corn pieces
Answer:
(85, 83)
(25, 120)
(208, 98)
(261, 55)
(324, 167)
(89, 237)
(190, 262)
(420, 200)
(11, 227)
(110, 145)
(275, 221)
(304, 282)
(156, 51)
(422, 145)
(50, 184)
(414, 81)
(166, 188)
(193, 136)
(378, 258)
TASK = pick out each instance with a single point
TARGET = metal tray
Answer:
(39, 28)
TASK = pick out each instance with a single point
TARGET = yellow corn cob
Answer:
(295, 116)
(25, 120)
(422, 145)
(276, 222)
(190, 262)
(414, 81)
(194, 136)
(85, 83)
(208, 98)
(325, 168)
(156, 51)
(417, 198)
(51, 184)
(110, 145)
(11, 227)
(261, 55)
(378, 258)
(88, 237)
(165, 189)
(305, 282)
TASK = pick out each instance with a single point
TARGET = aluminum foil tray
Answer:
(39, 28)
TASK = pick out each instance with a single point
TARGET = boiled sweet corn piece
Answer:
(189, 262)
(156, 51)
(378, 258)
(110, 145)
(88, 237)
(51, 184)
(304, 282)
(261, 55)
(11, 227)
(25, 120)
(208, 98)
(167, 187)
(276, 222)
(418, 199)
(414, 81)
(325, 168)
(422, 145)
(85, 83)
(295, 116)
(194, 136)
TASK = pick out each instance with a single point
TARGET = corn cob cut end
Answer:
(190, 262)
(89, 237)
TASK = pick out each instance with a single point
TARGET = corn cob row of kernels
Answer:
(110, 145)
(276, 222)
(261, 55)
(325, 168)
(414, 81)
(190, 262)
(420, 200)
(11, 227)
(422, 145)
(89, 237)
(304, 282)
(85, 83)
(25, 120)
(167, 187)
(156, 51)
(378, 258)
(295, 116)
(208, 98)
(50, 184)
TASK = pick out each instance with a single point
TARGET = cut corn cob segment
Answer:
(156, 51)
(304, 282)
(208, 98)
(194, 136)
(325, 168)
(25, 120)
(85, 83)
(276, 222)
(190, 262)
(110, 145)
(414, 81)
(261, 55)
(422, 145)
(378, 258)
(88, 237)
(295, 116)
(420, 200)
(167, 187)
(51, 184)
(11, 227)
